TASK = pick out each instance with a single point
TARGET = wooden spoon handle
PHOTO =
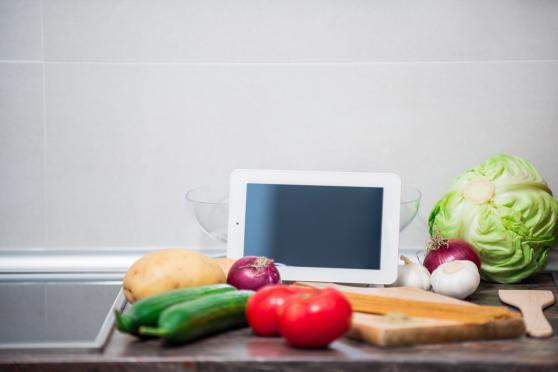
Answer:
(536, 323)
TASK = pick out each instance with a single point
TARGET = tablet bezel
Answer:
(391, 184)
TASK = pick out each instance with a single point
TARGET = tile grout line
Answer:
(332, 63)
(44, 125)
(25, 61)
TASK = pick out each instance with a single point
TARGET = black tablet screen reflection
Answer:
(314, 226)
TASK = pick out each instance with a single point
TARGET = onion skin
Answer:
(442, 251)
(253, 273)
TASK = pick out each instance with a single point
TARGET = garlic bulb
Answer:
(412, 275)
(457, 279)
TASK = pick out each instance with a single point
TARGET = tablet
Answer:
(340, 227)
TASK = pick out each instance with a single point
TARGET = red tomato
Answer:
(261, 309)
(315, 320)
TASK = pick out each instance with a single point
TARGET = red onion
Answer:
(253, 272)
(442, 250)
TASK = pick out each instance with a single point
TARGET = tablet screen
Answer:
(314, 226)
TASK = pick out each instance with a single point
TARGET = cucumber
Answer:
(198, 318)
(146, 312)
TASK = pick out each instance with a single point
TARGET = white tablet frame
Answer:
(391, 183)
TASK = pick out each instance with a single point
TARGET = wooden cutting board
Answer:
(400, 330)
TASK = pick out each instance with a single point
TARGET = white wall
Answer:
(111, 109)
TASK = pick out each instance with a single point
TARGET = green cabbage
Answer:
(506, 210)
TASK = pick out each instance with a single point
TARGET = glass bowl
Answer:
(410, 203)
(210, 206)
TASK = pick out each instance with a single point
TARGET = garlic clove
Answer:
(412, 275)
(457, 279)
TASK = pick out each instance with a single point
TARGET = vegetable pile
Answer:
(451, 276)
(458, 279)
(506, 210)
(305, 317)
(204, 316)
(180, 295)
(146, 312)
(440, 251)
(412, 275)
(253, 273)
(185, 314)
(167, 269)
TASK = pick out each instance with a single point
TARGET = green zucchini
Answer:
(198, 318)
(146, 312)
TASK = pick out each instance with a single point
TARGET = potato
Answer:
(167, 269)
(225, 263)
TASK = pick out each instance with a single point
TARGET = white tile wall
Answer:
(20, 30)
(21, 155)
(300, 30)
(144, 99)
(139, 135)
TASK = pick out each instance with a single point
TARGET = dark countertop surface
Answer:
(240, 350)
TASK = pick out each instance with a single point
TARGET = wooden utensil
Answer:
(397, 329)
(531, 303)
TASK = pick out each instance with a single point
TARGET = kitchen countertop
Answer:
(239, 350)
